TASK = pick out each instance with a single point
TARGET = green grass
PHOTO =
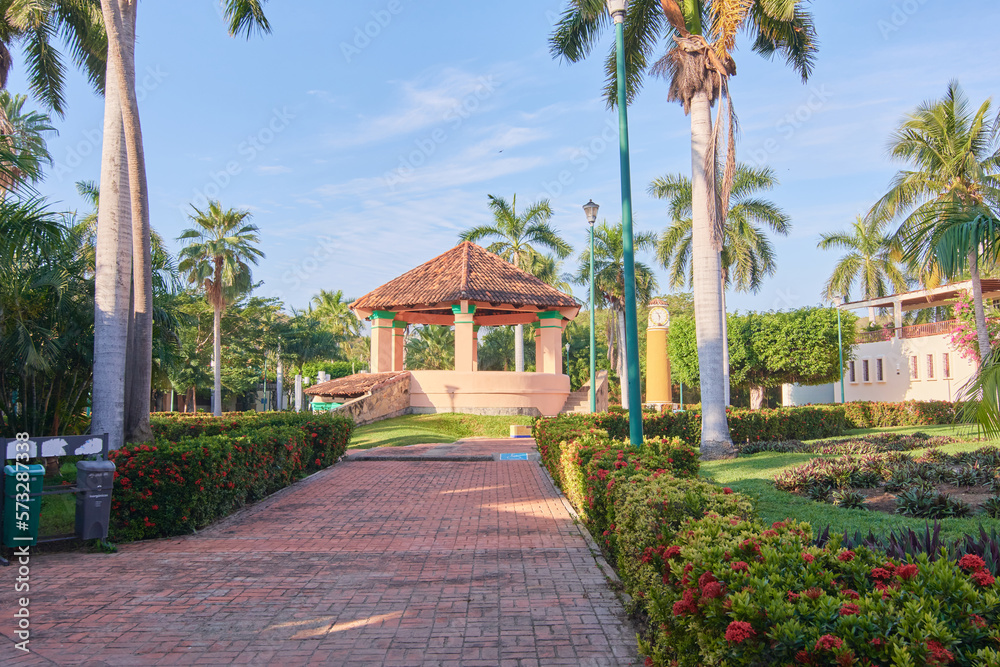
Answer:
(440, 428)
(58, 513)
(753, 476)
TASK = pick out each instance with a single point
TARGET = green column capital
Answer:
(457, 309)
(383, 315)
(550, 315)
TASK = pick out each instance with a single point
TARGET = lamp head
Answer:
(838, 300)
(617, 9)
(590, 208)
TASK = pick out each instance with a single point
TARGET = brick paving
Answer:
(387, 563)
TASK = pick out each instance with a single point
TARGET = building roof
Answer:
(467, 272)
(351, 386)
(927, 298)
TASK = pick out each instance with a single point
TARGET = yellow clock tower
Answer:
(658, 389)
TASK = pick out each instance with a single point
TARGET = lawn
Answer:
(752, 475)
(440, 428)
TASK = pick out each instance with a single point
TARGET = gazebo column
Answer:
(382, 333)
(398, 345)
(551, 327)
(475, 348)
(538, 350)
(465, 343)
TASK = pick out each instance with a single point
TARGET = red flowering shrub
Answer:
(739, 631)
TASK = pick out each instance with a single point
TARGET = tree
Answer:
(954, 155)
(308, 341)
(217, 260)
(431, 348)
(771, 349)
(872, 262)
(24, 135)
(334, 311)
(700, 37)
(518, 238)
(609, 282)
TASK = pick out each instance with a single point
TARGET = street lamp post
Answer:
(617, 10)
(590, 208)
(839, 301)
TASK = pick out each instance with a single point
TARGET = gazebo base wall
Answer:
(488, 393)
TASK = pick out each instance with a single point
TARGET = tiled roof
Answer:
(466, 272)
(351, 386)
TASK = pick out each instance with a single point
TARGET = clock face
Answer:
(659, 317)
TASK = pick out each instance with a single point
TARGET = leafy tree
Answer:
(518, 238)
(308, 342)
(23, 132)
(771, 349)
(334, 311)
(872, 261)
(954, 155)
(217, 261)
(609, 281)
(700, 37)
(431, 348)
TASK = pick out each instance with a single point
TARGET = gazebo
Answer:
(468, 287)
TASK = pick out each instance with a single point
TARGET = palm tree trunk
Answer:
(620, 363)
(217, 358)
(519, 348)
(756, 398)
(119, 21)
(982, 329)
(725, 345)
(707, 267)
(113, 279)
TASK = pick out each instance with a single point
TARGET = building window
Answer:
(852, 371)
(914, 368)
(880, 369)
(946, 366)
(866, 375)
(930, 366)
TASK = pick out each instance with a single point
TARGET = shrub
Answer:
(925, 503)
(863, 414)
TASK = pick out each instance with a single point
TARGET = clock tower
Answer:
(658, 389)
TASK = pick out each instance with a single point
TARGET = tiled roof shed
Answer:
(502, 293)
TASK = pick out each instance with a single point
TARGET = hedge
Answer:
(716, 587)
(200, 470)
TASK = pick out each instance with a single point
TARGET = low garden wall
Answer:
(714, 586)
(201, 468)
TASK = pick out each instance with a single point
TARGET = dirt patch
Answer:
(880, 500)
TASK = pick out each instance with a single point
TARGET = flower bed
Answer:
(716, 587)
(200, 470)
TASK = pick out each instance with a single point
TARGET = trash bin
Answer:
(20, 514)
(94, 480)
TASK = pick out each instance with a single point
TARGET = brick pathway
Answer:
(367, 563)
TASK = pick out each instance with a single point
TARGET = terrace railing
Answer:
(913, 331)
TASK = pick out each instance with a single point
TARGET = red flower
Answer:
(726, 490)
(740, 566)
(971, 562)
(792, 597)
(983, 578)
(845, 556)
(881, 574)
(808, 557)
(938, 654)
(813, 593)
(739, 631)
(977, 621)
(156, 507)
(828, 643)
(907, 571)
(851, 594)
(850, 609)
(706, 578)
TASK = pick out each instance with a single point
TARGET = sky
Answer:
(365, 138)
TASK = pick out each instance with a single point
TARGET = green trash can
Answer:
(22, 504)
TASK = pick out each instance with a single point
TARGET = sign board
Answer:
(66, 445)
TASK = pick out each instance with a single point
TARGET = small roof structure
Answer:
(351, 386)
(945, 295)
(501, 292)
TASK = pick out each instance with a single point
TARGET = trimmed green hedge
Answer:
(201, 469)
(906, 413)
(718, 588)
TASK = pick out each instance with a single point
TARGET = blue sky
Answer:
(362, 156)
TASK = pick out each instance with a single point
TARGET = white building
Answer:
(900, 363)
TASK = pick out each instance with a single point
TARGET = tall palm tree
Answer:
(872, 262)
(123, 353)
(333, 309)
(518, 239)
(23, 131)
(954, 155)
(217, 260)
(431, 348)
(700, 37)
(609, 281)
(747, 253)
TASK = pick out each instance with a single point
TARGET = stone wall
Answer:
(385, 401)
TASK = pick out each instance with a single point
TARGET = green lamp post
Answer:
(590, 208)
(617, 10)
(839, 301)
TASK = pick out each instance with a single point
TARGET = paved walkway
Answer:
(386, 562)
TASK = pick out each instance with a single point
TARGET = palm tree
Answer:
(333, 309)
(123, 353)
(431, 348)
(872, 261)
(23, 133)
(747, 254)
(955, 158)
(217, 259)
(609, 280)
(700, 36)
(518, 238)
